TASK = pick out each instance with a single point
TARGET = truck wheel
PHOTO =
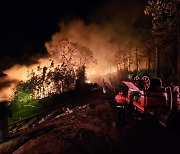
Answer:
(146, 82)
(136, 80)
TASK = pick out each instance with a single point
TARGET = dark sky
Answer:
(25, 26)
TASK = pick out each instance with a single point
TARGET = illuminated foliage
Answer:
(56, 79)
(45, 82)
(71, 54)
(22, 95)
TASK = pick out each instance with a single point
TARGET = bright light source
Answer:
(88, 81)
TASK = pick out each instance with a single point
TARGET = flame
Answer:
(102, 40)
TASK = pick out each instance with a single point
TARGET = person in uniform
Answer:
(120, 104)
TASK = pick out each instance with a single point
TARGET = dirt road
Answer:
(90, 126)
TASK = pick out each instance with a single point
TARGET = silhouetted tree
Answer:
(164, 30)
(71, 54)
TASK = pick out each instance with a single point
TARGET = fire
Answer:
(73, 46)
(100, 71)
(108, 71)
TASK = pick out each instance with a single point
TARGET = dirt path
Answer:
(91, 127)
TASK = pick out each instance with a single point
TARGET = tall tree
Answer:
(74, 55)
(164, 30)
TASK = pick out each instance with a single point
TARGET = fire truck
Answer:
(150, 96)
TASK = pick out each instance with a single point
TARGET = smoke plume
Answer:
(108, 29)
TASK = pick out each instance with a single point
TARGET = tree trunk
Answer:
(136, 54)
(157, 62)
(149, 60)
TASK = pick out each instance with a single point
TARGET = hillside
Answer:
(87, 126)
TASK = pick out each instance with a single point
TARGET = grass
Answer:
(34, 107)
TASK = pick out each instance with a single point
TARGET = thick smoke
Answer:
(103, 41)
(108, 29)
(20, 72)
(91, 36)
(7, 86)
(16, 74)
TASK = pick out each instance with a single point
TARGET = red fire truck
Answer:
(150, 96)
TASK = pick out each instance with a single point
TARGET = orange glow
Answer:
(20, 72)
(6, 94)
(101, 40)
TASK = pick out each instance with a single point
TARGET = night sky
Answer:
(26, 26)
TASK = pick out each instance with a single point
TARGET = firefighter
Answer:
(4, 115)
(120, 103)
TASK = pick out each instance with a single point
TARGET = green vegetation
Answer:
(44, 90)
(28, 108)
(39, 92)
(35, 95)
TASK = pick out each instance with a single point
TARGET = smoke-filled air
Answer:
(95, 48)
(78, 44)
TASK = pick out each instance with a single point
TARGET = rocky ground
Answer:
(88, 127)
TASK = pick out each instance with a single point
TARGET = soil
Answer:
(89, 125)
